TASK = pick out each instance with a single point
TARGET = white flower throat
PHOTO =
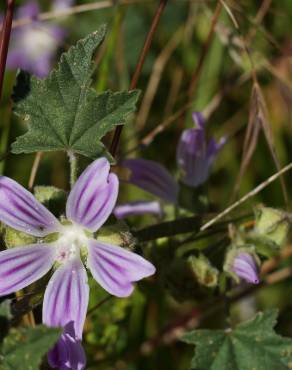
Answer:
(71, 242)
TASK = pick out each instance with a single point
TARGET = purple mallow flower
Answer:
(153, 178)
(138, 208)
(245, 267)
(64, 246)
(33, 46)
(68, 352)
(194, 154)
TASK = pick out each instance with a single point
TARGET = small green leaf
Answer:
(24, 348)
(46, 193)
(252, 345)
(5, 310)
(63, 112)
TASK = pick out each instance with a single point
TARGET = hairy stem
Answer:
(73, 168)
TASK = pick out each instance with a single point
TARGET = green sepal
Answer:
(46, 193)
(117, 234)
(270, 231)
(205, 273)
(14, 238)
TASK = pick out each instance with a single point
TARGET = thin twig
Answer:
(260, 116)
(148, 138)
(158, 129)
(5, 38)
(72, 11)
(34, 169)
(100, 303)
(139, 66)
(155, 78)
(252, 193)
(77, 9)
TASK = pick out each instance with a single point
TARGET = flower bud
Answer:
(205, 273)
(194, 154)
(272, 226)
(243, 263)
(245, 267)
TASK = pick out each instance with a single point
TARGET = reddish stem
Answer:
(139, 66)
(5, 38)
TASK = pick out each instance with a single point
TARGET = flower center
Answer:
(72, 239)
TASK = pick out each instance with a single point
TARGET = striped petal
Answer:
(20, 210)
(66, 297)
(138, 208)
(94, 196)
(20, 267)
(245, 266)
(116, 268)
(153, 178)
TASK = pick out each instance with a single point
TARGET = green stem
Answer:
(73, 168)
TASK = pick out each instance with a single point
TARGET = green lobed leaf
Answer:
(24, 348)
(63, 112)
(252, 345)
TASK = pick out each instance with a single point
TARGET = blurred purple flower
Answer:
(138, 208)
(89, 204)
(34, 45)
(68, 352)
(153, 178)
(194, 154)
(245, 267)
(62, 4)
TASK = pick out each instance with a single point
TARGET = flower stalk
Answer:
(73, 168)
